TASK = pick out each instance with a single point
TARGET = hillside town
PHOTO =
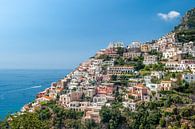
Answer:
(132, 74)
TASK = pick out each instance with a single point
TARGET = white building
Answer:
(99, 100)
(65, 99)
(169, 53)
(120, 70)
(150, 59)
(135, 44)
(175, 66)
(189, 77)
(116, 45)
(152, 86)
(158, 74)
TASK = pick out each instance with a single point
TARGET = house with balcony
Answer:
(89, 91)
(108, 63)
(99, 100)
(170, 53)
(139, 92)
(105, 89)
(150, 59)
(157, 74)
(189, 64)
(119, 70)
(131, 55)
(92, 113)
(175, 66)
(78, 106)
(165, 85)
(65, 99)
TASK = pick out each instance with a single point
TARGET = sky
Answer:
(60, 34)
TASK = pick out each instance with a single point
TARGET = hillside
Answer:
(185, 31)
(141, 86)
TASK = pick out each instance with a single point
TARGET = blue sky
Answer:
(60, 34)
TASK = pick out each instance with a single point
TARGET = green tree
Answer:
(90, 124)
(120, 51)
(162, 122)
(104, 57)
(114, 77)
(119, 61)
(28, 121)
(105, 114)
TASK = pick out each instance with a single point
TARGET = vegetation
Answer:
(120, 51)
(26, 121)
(119, 61)
(155, 67)
(173, 109)
(155, 80)
(104, 57)
(185, 87)
(136, 62)
(49, 116)
(188, 56)
(112, 117)
(155, 52)
(139, 63)
(185, 31)
(150, 115)
(147, 69)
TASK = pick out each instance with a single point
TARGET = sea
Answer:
(19, 87)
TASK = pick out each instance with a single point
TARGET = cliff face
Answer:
(185, 31)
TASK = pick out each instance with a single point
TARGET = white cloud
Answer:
(169, 16)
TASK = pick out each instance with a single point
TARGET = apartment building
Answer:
(119, 70)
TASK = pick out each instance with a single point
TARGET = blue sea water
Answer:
(18, 87)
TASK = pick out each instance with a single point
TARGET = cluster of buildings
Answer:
(90, 86)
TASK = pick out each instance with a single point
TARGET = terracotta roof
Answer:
(140, 85)
(47, 97)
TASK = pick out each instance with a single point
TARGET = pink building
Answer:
(139, 92)
(92, 112)
(106, 90)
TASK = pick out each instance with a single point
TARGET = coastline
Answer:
(19, 87)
